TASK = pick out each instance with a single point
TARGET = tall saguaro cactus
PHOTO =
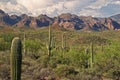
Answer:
(49, 43)
(87, 59)
(63, 40)
(16, 59)
(24, 48)
(92, 55)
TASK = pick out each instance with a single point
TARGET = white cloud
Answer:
(49, 7)
(116, 2)
(55, 7)
(93, 13)
(52, 7)
(99, 8)
(12, 8)
(34, 4)
(99, 4)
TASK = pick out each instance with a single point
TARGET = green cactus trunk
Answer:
(102, 47)
(63, 40)
(53, 42)
(49, 43)
(87, 58)
(24, 48)
(92, 56)
(16, 59)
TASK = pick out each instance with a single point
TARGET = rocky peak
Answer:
(116, 18)
(67, 16)
(23, 16)
(2, 12)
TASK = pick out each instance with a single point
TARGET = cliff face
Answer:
(64, 21)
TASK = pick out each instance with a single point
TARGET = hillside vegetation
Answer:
(75, 55)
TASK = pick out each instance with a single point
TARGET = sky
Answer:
(95, 8)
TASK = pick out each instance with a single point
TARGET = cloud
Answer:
(90, 12)
(101, 8)
(116, 2)
(56, 7)
(93, 9)
(99, 4)
(11, 1)
(52, 7)
(13, 8)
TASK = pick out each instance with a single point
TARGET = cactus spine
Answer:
(16, 59)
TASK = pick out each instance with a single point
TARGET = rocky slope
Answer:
(64, 21)
(116, 18)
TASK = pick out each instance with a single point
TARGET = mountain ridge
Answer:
(64, 21)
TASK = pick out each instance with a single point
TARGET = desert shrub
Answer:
(87, 75)
(4, 45)
(95, 39)
(44, 74)
(65, 71)
(7, 36)
(109, 65)
(4, 72)
(44, 61)
(33, 47)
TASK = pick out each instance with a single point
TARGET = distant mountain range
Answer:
(64, 21)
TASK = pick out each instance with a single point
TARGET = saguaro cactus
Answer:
(92, 55)
(16, 59)
(63, 40)
(49, 43)
(87, 57)
(24, 48)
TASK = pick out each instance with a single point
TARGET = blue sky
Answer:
(95, 8)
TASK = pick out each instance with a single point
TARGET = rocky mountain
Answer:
(33, 22)
(74, 22)
(24, 20)
(64, 21)
(116, 18)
